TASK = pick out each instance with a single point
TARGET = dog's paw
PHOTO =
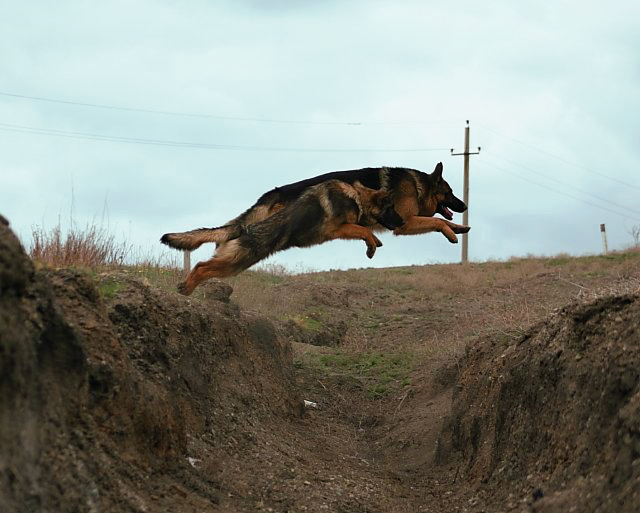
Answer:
(371, 250)
(378, 241)
(461, 229)
(182, 288)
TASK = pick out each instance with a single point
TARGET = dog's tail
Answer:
(193, 239)
(269, 203)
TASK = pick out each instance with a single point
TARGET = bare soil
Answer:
(523, 391)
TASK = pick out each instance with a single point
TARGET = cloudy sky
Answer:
(155, 116)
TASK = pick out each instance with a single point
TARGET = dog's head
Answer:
(443, 195)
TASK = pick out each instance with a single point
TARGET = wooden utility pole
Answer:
(465, 198)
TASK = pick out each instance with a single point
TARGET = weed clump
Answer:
(90, 247)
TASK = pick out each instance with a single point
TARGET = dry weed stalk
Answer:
(90, 247)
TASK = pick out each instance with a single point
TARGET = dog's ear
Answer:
(380, 198)
(437, 172)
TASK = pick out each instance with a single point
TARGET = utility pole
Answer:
(465, 215)
(605, 246)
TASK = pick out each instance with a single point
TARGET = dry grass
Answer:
(89, 247)
(95, 249)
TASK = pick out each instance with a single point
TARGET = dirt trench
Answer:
(117, 396)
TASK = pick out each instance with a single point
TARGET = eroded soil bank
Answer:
(118, 396)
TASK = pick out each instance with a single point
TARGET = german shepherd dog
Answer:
(331, 209)
(416, 196)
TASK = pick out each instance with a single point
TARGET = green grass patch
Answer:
(307, 322)
(380, 373)
(404, 271)
(108, 289)
(257, 278)
(560, 261)
(620, 257)
(162, 277)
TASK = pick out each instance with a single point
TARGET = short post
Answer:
(603, 231)
(187, 262)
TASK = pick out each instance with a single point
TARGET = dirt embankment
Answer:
(119, 407)
(117, 396)
(552, 419)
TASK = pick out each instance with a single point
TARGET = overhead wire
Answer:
(157, 142)
(216, 116)
(553, 179)
(209, 146)
(561, 159)
(562, 193)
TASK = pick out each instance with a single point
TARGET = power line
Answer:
(215, 116)
(561, 159)
(573, 187)
(208, 146)
(564, 193)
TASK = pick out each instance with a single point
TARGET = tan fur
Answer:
(328, 211)
(415, 198)
(193, 239)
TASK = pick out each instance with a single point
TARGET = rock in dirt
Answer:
(216, 290)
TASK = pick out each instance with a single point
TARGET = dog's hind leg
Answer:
(418, 224)
(355, 231)
(230, 259)
(202, 271)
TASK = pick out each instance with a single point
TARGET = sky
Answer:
(146, 117)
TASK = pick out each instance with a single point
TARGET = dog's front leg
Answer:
(418, 224)
(355, 231)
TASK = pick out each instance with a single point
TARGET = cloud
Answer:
(549, 89)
